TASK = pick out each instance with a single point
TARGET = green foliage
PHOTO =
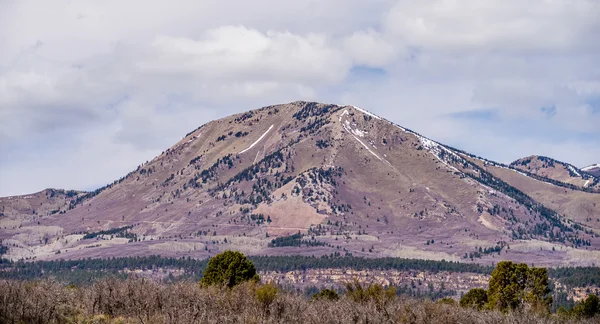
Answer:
(313, 109)
(298, 262)
(266, 294)
(294, 240)
(447, 301)
(513, 284)
(117, 232)
(577, 277)
(328, 294)
(229, 268)
(475, 298)
(587, 308)
(372, 293)
(322, 143)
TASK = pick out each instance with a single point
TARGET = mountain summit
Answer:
(311, 178)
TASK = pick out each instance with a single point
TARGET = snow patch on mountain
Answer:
(356, 133)
(359, 132)
(363, 144)
(572, 169)
(590, 167)
(342, 115)
(258, 140)
(435, 148)
(366, 112)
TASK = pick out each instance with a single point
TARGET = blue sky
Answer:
(89, 89)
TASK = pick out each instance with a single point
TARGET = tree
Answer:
(230, 268)
(475, 298)
(588, 307)
(538, 290)
(513, 284)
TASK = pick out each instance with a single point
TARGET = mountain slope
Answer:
(327, 178)
(549, 168)
(16, 210)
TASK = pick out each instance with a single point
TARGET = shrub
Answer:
(374, 292)
(229, 268)
(447, 301)
(266, 294)
(328, 294)
(475, 298)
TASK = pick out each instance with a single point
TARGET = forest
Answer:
(86, 270)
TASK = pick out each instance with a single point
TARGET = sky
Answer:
(91, 89)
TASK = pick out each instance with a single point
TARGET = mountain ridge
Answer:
(593, 169)
(318, 169)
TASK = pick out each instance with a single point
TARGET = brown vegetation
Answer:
(144, 301)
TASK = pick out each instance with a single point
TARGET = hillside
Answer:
(18, 210)
(546, 167)
(313, 179)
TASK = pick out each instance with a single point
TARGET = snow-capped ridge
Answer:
(367, 113)
(590, 167)
(449, 157)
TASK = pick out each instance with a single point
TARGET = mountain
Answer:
(550, 168)
(310, 178)
(593, 169)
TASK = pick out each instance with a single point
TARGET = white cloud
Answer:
(130, 78)
(234, 52)
(371, 49)
(509, 26)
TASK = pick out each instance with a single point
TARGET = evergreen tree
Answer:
(230, 268)
(475, 298)
(588, 307)
(512, 285)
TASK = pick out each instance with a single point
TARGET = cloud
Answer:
(510, 26)
(107, 85)
(237, 52)
(369, 48)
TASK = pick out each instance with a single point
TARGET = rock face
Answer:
(311, 178)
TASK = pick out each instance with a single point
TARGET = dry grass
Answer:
(143, 301)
